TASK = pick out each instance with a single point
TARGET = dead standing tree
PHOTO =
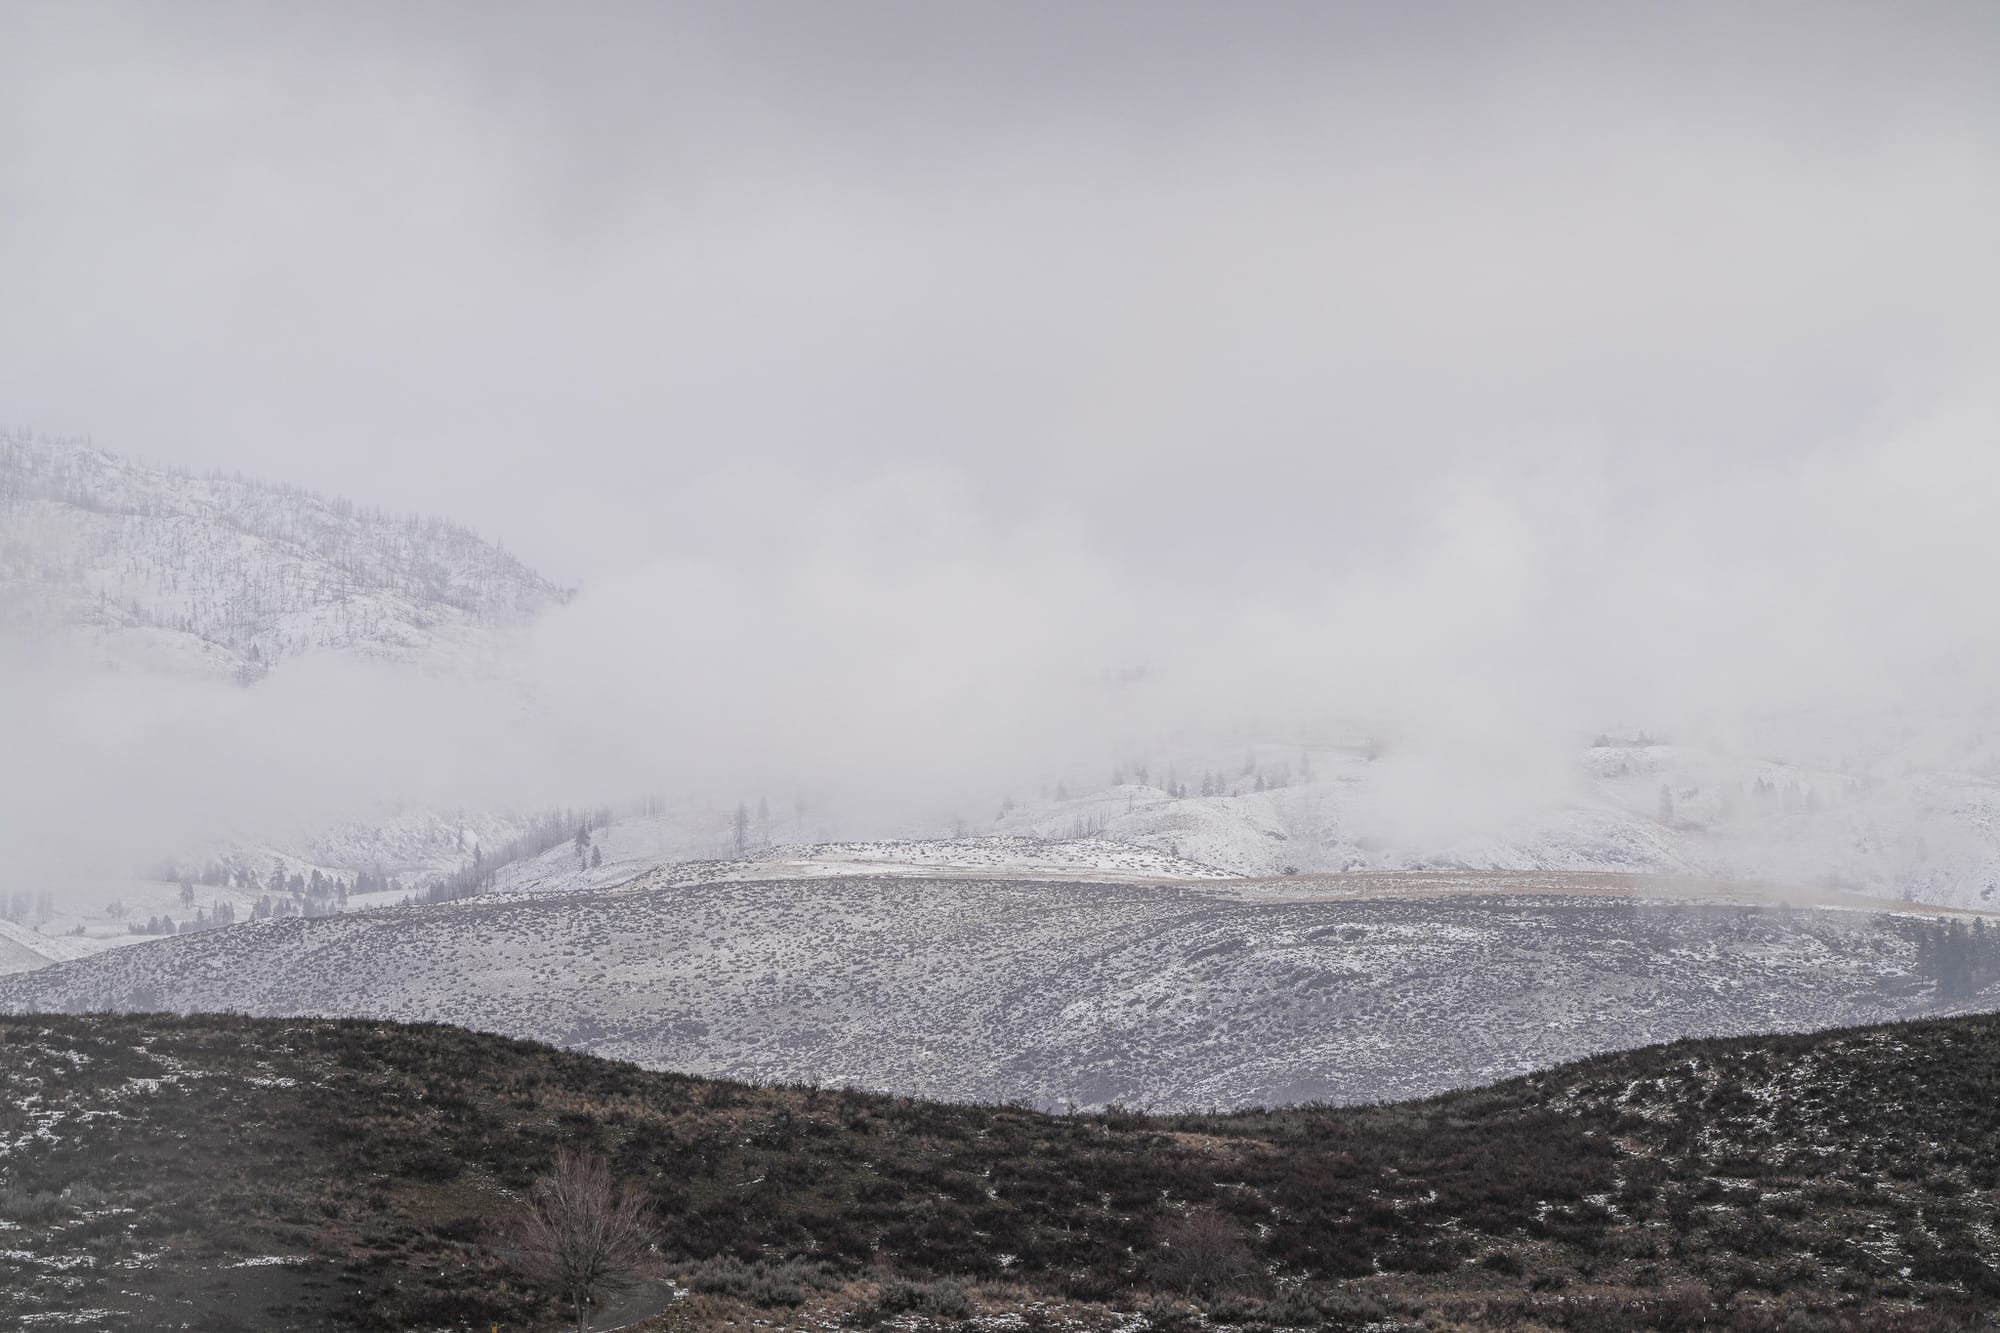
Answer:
(581, 1233)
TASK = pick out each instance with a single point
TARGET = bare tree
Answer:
(580, 1233)
(1203, 1253)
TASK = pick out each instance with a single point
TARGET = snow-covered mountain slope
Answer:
(412, 843)
(629, 853)
(1924, 836)
(1641, 809)
(1058, 992)
(23, 949)
(1100, 859)
(220, 576)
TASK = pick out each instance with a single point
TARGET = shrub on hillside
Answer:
(762, 1282)
(1202, 1253)
(944, 1299)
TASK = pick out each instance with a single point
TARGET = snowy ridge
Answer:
(1919, 836)
(1014, 854)
(628, 860)
(225, 576)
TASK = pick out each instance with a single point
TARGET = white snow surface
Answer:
(132, 566)
(1923, 836)
(23, 948)
(1926, 837)
(630, 856)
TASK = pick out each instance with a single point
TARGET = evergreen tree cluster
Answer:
(238, 873)
(747, 832)
(551, 828)
(23, 907)
(1959, 958)
(224, 914)
(285, 893)
(276, 907)
(1255, 777)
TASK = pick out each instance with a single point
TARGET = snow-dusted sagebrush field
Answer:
(1058, 993)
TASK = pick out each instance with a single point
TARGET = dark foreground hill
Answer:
(222, 1173)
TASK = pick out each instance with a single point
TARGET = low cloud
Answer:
(895, 650)
(932, 402)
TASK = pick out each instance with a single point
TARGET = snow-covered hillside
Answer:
(115, 571)
(157, 570)
(629, 853)
(224, 576)
(984, 989)
(23, 949)
(1924, 836)
(1641, 809)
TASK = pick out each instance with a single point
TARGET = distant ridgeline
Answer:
(231, 574)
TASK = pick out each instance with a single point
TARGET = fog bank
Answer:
(937, 403)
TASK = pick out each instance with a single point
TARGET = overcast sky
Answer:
(1218, 284)
(886, 373)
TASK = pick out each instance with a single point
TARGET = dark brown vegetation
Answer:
(1842, 1181)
